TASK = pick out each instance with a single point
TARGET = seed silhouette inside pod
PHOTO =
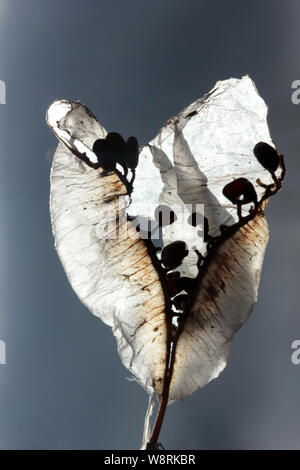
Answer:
(173, 254)
(173, 275)
(240, 191)
(116, 147)
(132, 152)
(267, 156)
(164, 215)
(100, 148)
(180, 301)
(187, 283)
(110, 151)
(174, 286)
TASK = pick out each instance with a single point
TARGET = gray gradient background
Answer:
(136, 63)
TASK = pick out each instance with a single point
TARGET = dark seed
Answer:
(180, 301)
(187, 283)
(116, 143)
(174, 286)
(173, 275)
(116, 148)
(100, 148)
(132, 152)
(110, 151)
(173, 254)
(240, 191)
(267, 156)
(113, 150)
(173, 282)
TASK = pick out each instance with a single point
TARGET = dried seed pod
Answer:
(267, 156)
(240, 191)
(129, 280)
(173, 254)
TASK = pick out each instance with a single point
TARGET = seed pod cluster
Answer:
(113, 149)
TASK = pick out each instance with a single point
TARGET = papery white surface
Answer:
(110, 277)
(193, 157)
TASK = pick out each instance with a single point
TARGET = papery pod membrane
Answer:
(223, 301)
(114, 275)
(194, 156)
(196, 153)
